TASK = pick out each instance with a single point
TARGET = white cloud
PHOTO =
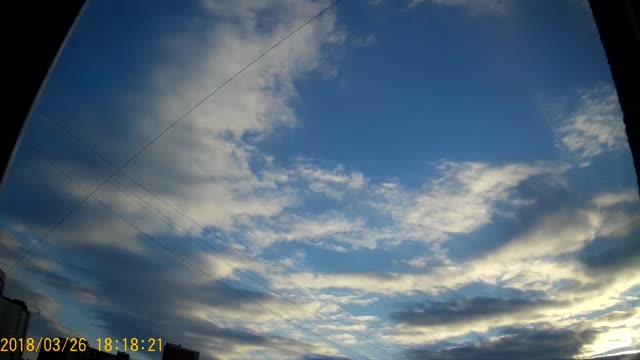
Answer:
(563, 233)
(333, 183)
(611, 199)
(465, 198)
(434, 258)
(617, 334)
(353, 299)
(595, 126)
(537, 275)
(417, 262)
(298, 228)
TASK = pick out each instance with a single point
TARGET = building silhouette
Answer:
(177, 352)
(89, 354)
(14, 320)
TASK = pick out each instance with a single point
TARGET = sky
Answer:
(411, 179)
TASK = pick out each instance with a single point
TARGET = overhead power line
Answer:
(121, 168)
(207, 247)
(191, 264)
(145, 146)
(46, 120)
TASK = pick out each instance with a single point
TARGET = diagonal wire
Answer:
(189, 263)
(144, 147)
(256, 278)
(47, 120)
(204, 245)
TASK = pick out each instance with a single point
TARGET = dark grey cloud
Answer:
(437, 313)
(10, 249)
(71, 286)
(41, 307)
(605, 255)
(116, 321)
(147, 295)
(517, 343)
(202, 335)
(153, 295)
(31, 192)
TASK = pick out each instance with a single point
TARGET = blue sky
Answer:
(408, 179)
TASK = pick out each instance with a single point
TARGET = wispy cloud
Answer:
(364, 41)
(464, 198)
(330, 182)
(298, 228)
(595, 126)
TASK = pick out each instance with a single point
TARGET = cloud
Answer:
(72, 287)
(209, 166)
(610, 254)
(351, 299)
(464, 198)
(43, 309)
(214, 340)
(518, 343)
(432, 313)
(417, 262)
(619, 315)
(441, 279)
(611, 199)
(364, 41)
(595, 126)
(476, 7)
(11, 248)
(333, 183)
(618, 334)
(14, 247)
(542, 257)
(298, 228)
(565, 232)
(515, 263)
(214, 318)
